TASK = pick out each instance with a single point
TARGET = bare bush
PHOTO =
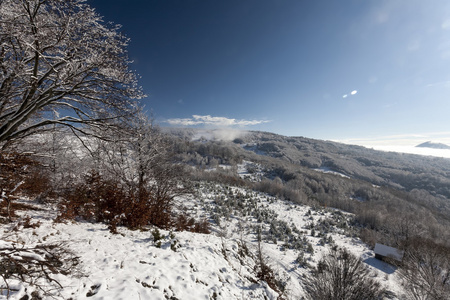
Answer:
(105, 200)
(185, 223)
(101, 200)
(426, 270)
(36, 266)
(341, 275)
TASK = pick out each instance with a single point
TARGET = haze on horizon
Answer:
(369, 72)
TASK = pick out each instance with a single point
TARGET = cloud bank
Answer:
(213, 121)
(405, 143)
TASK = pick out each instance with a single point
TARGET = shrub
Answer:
(101, 200)
(265, 273)
(184, 222)
(19, 174)
(157, 237)
(202, 226)
(106, 200)
(341, 275)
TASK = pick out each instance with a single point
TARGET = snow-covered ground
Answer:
(329, 171)
(129, 265)
(185, 265)
(250, 171)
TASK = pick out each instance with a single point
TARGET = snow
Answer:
(329, 171)
(387, 251)
(130, 265)
(250, 171)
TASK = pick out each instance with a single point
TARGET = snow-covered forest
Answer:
(98, 202)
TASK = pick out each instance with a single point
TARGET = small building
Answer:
(382, 252)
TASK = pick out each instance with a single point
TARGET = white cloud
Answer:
(407, 144)
(213, 121)
(184, 122)
(223, 134)
(352, 93)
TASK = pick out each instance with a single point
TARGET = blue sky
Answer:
(341, 70)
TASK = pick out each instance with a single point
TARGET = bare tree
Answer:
(341, 275)
(61, 64)
(426, 270)
(135, 152)
(140, 158)
(157, 179)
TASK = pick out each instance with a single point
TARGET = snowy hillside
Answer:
(158, 264)
(272, 212)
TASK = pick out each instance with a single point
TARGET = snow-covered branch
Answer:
(60, 54)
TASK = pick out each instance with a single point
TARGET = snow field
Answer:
(129, 265)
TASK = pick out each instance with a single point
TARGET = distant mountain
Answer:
(433, 145)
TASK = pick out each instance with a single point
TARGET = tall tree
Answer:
(61, 64)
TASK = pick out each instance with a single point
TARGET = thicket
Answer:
(101, 200)
(19, 173)
(88, 179)
(246, 203)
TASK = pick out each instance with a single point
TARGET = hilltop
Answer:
(432, 145)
